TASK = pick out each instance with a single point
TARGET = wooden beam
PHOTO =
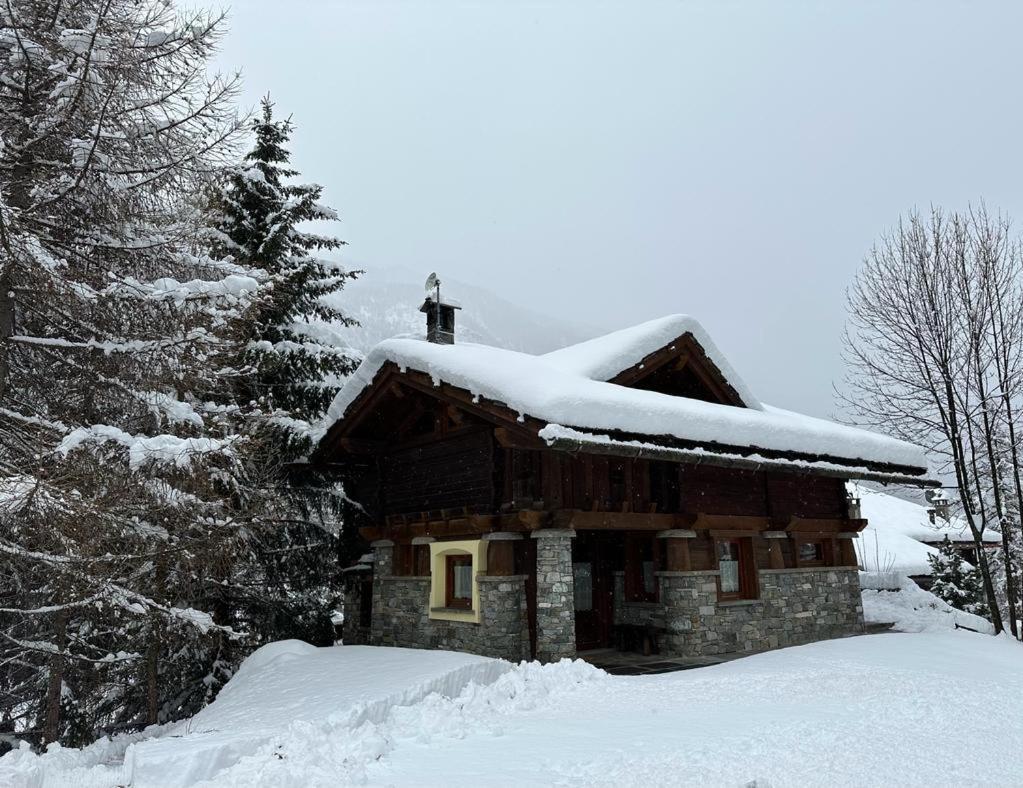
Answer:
(830, 526)
(509, 438)
(622, 521)
(729, 522)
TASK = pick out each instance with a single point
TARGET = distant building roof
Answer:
(897, 531)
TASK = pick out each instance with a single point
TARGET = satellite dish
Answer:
(432, 282)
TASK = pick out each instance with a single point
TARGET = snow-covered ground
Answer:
(939, 707)
(911, 609)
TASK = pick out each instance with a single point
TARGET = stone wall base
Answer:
(402, 618)
(795, 606)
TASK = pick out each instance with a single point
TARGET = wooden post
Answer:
(500, 559)
(847, 549)
(501, 553)
(774, 552)
(677, 557)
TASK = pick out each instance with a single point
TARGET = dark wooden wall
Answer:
(452, 472)
(559, 481)
(466, 468)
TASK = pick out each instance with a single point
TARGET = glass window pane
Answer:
(728, 551)
(463, 580)
(728, 564)
(811, 551)
(649, 579)
(729, 576)
(582, 579)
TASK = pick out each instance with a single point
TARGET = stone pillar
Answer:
(354, 586)
(383, 566)
(555, 595)
(504, 624)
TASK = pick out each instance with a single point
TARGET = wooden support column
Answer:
(847, 549)
(775, 555)
(501, 553)
(676, 553)
(421, 555)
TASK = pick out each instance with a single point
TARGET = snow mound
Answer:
(337, 753)
(911, 609)
(281, 693)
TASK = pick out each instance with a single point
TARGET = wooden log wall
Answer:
(600, 483)
(454, 471)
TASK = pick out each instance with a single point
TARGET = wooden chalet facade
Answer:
(627, 492)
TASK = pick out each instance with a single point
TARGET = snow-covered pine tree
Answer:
(283, 583)
(295, 348)
(954, 581)
(115, 333)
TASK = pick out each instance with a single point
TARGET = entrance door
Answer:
(593, 578)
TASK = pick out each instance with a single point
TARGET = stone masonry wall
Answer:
(352, 631)
(403, 618)
(795, 606)
(555, 595)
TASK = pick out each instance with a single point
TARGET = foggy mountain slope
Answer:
(386, 303)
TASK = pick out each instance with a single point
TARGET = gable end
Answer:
(682, 369)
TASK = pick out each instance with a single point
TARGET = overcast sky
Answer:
(612, 163)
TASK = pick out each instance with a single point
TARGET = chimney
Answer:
(440, 314)
(941, 505)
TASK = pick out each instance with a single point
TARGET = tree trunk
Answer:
(996, 489)
(962, 481)
(153, 677)
(55, 685)
(155, 643)
(6, 327)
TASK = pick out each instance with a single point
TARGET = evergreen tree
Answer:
(283, 580)
(294, 348)
(118, 470)
(954, 581)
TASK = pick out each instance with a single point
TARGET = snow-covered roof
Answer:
(567, 388)
(897, 529)
(605, 356)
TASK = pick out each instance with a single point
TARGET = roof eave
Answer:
(705, 457)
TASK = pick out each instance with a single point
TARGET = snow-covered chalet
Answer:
(627, 492)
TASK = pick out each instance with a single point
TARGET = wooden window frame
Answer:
(635, 591)
(827, 551)
(749, 586)
(450, 600)
(821, 561)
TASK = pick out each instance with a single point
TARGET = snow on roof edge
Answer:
(529, 385)
(555, 434)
